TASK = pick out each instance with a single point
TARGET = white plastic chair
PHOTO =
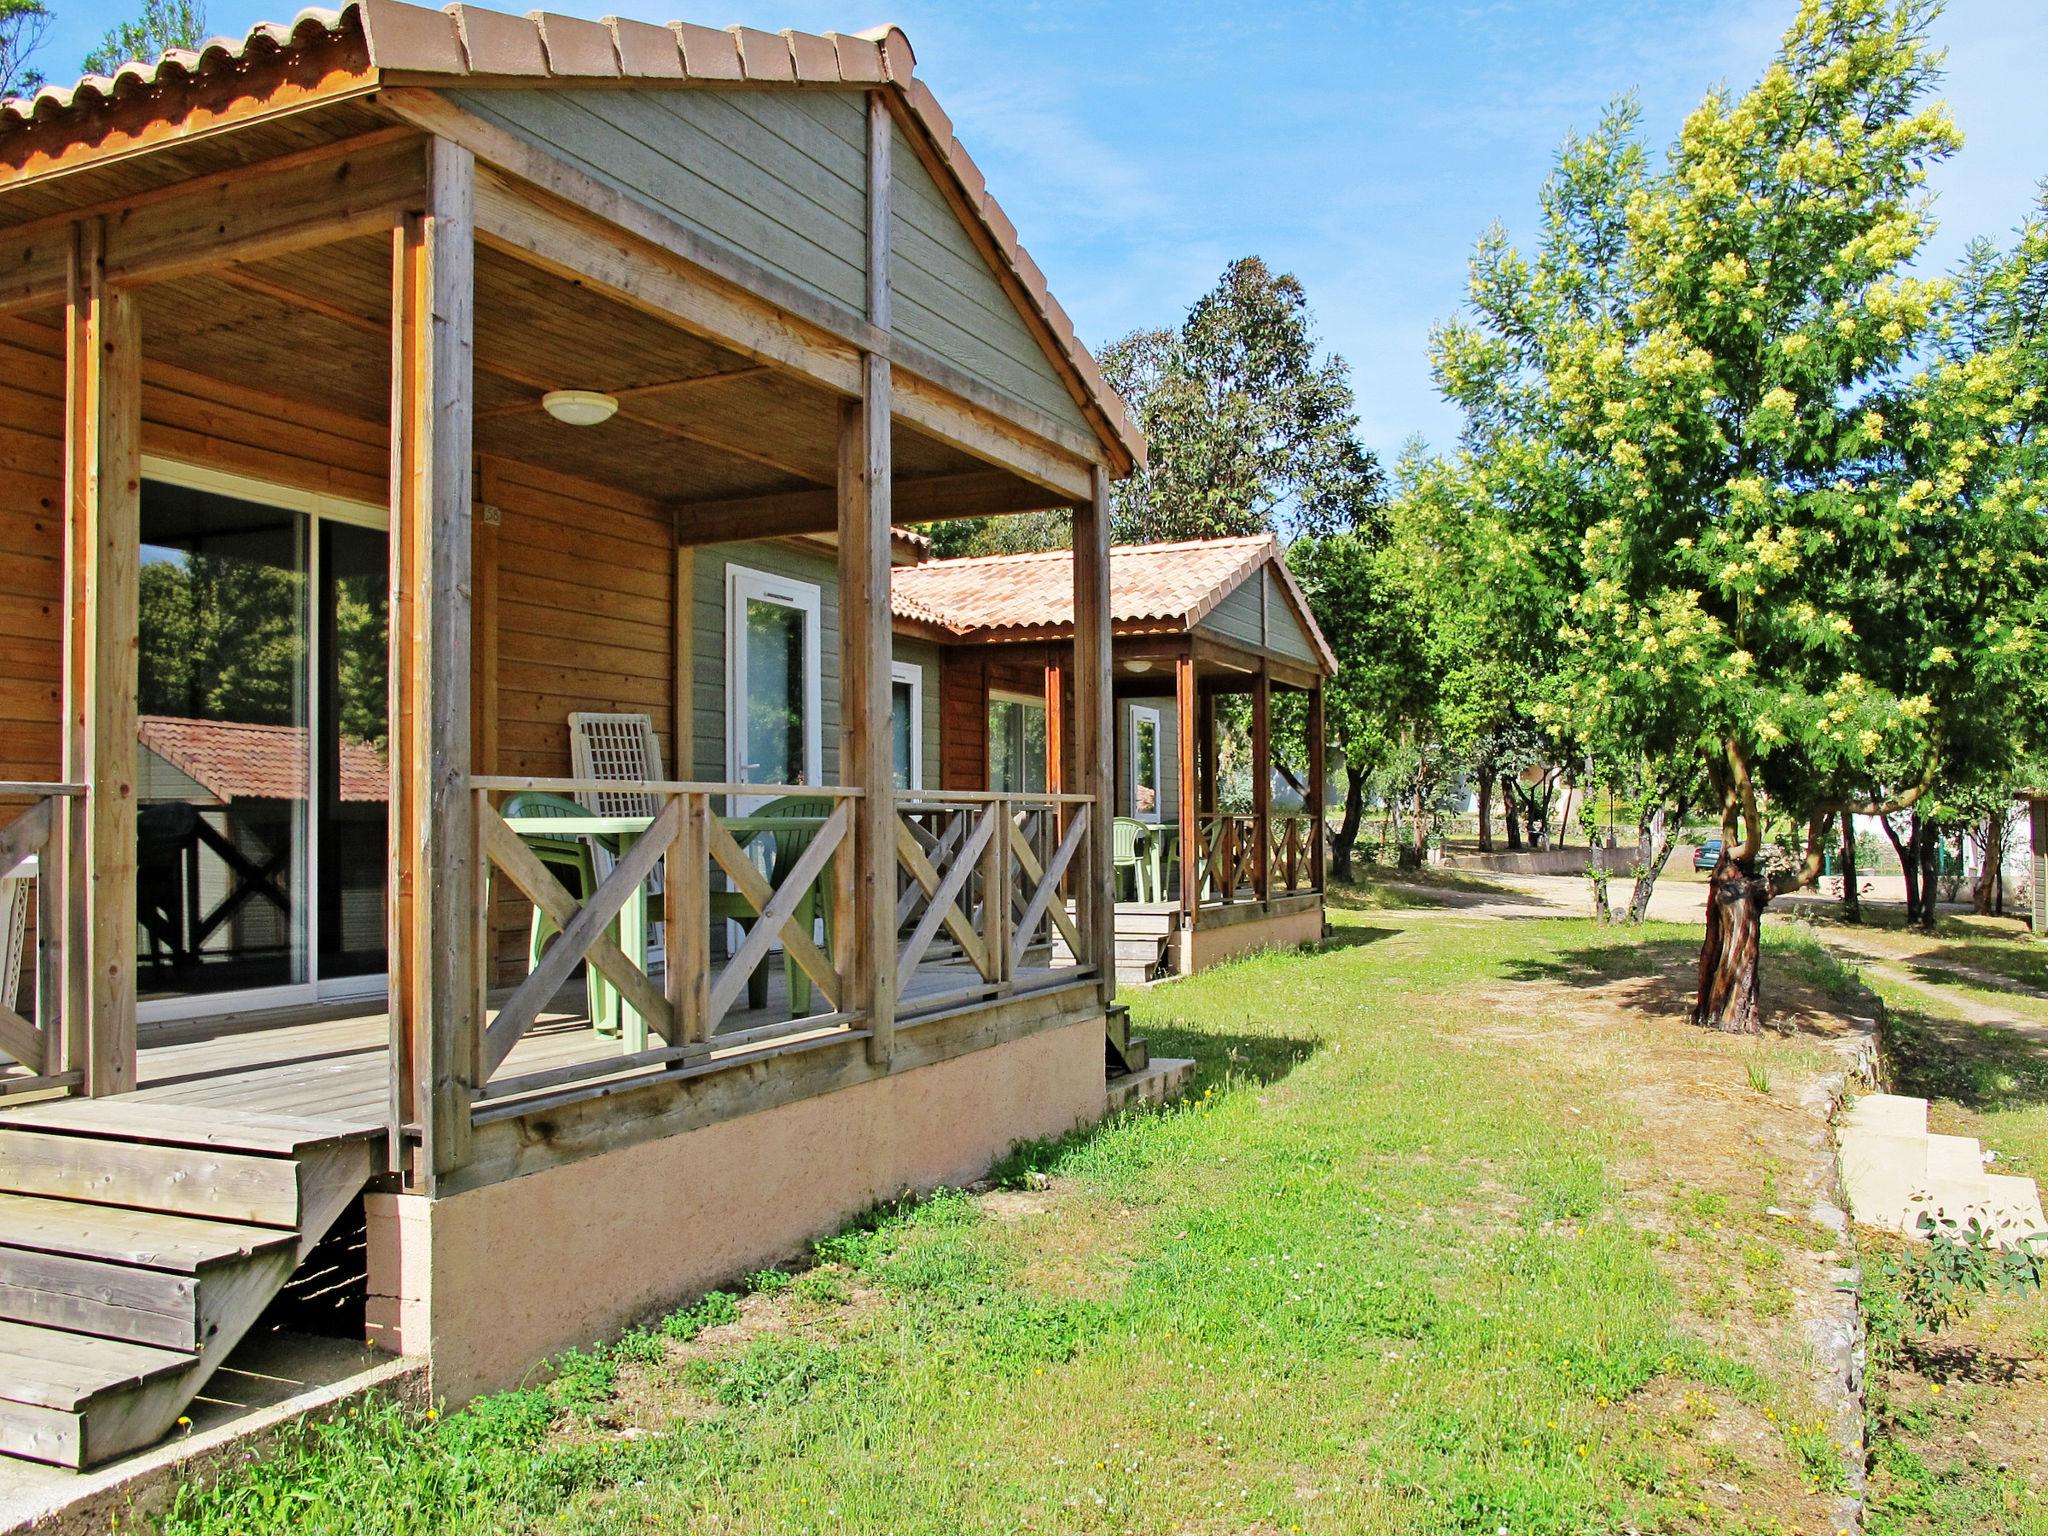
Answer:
(17, 892)
(624, 747)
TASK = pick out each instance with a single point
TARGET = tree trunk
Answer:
(1908, 851)
(1486, 811)
(1930, 868)
(1728, 989)
(1985, 896)
(1346, 836)
(1511, 812)
(1564, 819)
(1419, 828)
(1852, 898)
(1653, 847)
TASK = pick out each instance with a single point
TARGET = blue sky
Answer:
(1139, 146)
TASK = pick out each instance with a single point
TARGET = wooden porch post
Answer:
(1055, 727)
(866, 760)
(1186, 724)
(1318, 786)
(1094, 769)
(1262, 784)
(103, 533)
(434, 1007)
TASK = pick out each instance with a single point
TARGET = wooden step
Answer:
(152, 1176)
(136, 1250)
(180, 1244)
(52, 1383)
(168, 1281)
(131, 1117)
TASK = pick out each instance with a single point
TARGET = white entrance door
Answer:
(771, 684)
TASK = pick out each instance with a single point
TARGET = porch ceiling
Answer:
(697, 422)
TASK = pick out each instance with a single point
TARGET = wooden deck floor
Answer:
(333, 1062)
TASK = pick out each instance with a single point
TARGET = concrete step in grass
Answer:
(1893, 1171)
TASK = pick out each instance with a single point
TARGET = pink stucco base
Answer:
(1208, 945)
(490, 1282)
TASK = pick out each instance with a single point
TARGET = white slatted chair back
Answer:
(16, 892)
(615, 746)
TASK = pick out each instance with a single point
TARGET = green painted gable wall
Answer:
(707, 654)
(948, 300)
(780, 176)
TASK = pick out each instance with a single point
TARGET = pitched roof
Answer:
(237, 761)
(465, 41)
(1152, 587)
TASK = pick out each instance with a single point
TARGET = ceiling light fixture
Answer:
(579, 407)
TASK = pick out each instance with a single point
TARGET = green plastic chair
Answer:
(573, 862)
(789, 846)
(1128, 853)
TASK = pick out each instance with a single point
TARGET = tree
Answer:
(1248, 430)
(162, 26)
(1793, 560)
(24, 24)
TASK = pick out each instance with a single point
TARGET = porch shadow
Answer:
(1264, 1059)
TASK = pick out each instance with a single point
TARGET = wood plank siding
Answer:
(948, 300)
(1284, 631)
(779, 175)
(581, 613)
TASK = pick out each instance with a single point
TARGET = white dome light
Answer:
(579, 407)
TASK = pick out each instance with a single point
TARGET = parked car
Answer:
(1708, 854)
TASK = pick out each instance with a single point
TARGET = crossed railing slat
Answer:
(51, 1047)
(977, 872)
(689, 835)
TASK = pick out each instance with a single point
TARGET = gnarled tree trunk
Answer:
(1729, 990)
(1511, 812)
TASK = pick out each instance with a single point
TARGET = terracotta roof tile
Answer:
(577, 47)
(709, 54)
(472, 40)
(765, 54)
(860, 59)
(1159, 586)
(647, 51)
(817, 61)
(236, 761)
(498, 44)
(411, 37)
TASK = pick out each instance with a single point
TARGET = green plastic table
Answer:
(621, 832)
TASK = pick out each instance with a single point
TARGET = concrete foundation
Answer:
(1219, 936)
(488, 1283)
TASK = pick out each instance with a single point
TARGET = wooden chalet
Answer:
(1204, 870)
(412, 417)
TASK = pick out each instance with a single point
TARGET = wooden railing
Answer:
(1293, 858)
(690, 840)
(47, 1053)
(1226, 855)
(992, 873)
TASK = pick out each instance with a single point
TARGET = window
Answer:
(1016, 744)
(261, 744)
(771, 698)
(906, 722)
(1144, 760)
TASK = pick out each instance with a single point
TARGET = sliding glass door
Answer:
(261, 740)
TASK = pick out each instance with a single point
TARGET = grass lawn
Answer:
(1462, 1230)
(1958, 1420)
